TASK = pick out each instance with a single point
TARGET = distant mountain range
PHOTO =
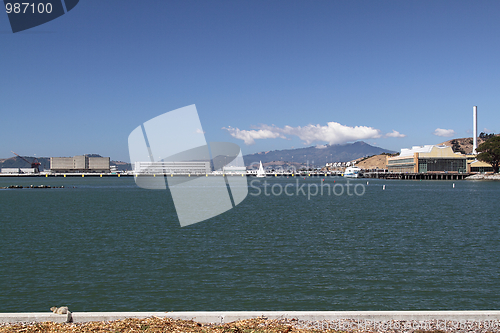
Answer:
(317, 155)
(314, 155)
(17, 162)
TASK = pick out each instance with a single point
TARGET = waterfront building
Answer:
(428, 158)
(476, 166)
(18, 171)
(172, 167)
(234, 170)
(81, 163)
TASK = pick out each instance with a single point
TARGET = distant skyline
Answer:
(264, 75)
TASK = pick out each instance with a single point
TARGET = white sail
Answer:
(261, 173)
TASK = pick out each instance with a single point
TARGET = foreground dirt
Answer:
(259, 325)
(151, 325)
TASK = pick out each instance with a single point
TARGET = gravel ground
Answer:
(156, 324)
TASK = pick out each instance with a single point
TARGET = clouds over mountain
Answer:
(249, 137)
(332, 133)
(395, 134)
(444, 132)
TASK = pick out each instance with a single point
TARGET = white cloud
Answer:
(199, 131)
(332, 133)
(395, 134)
(444, 132)
(249, 136)
(321, 146)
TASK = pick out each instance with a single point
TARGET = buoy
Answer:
(64, 175)
(367, 183)
(83, 175)
(383, 187)
(154, 175)
(453, 185)
(206, 175)
(118, 175)
(171, 175)
(100, 175)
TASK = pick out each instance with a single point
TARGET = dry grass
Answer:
(373, 162)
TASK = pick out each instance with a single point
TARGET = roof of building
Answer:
(415, 149)
(479, 164)
(430, 151)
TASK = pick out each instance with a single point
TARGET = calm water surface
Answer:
(103, 244)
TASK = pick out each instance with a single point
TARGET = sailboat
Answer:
(261, 173)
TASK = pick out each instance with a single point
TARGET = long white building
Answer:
(172, 167)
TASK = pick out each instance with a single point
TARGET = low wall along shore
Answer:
(231, 316)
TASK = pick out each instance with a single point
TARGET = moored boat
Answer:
(353, 172)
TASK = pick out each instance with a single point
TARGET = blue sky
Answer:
(263, 74)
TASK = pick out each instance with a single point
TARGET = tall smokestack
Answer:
(474, 129)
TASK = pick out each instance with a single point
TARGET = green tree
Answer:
(489, 152)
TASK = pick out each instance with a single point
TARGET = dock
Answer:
(377, 174)
(416, 176)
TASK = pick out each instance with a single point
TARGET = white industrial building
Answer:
(172, 167)
(19, 171)
(428, 158)
(82, 163)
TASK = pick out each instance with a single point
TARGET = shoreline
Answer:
(255, 321)
(232, 316)
(482, 176)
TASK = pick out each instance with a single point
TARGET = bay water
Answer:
(104, 244)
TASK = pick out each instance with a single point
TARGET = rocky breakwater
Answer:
(483, 176)
(31, 186)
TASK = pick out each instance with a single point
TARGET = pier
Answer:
(416, 176)
(377, 174)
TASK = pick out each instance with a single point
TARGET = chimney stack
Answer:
(474, 129)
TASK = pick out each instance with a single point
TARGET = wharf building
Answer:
(427, 159)
(79, 164)
(153, 168)
(19, 171)
(476, 166)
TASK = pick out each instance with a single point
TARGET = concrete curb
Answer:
(34, 317)
(230, 316)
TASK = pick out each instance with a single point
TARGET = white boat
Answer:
(352, 172)
(261, 173)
